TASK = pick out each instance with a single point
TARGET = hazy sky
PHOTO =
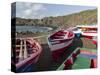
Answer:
(38, 10)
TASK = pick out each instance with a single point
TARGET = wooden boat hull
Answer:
(27, 52)
(58, 44)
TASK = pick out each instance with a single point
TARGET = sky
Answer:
(40, 10)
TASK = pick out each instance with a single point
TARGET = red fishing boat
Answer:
(27, 52)
(59, 41)
(89, 31)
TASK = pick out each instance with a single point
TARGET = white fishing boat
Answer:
(76, 31)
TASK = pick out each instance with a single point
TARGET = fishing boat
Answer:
(88, 31)
(76, 31)
(25, 54)
(59, 41)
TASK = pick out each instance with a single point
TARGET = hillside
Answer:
(84, 17)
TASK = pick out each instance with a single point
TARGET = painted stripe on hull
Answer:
(59, 41)
(89, 34)
(60, 46)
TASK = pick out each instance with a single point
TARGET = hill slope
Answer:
(84, 17)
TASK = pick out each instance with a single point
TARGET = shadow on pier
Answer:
(45, 62)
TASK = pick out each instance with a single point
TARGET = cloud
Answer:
(37, 10)
(57, 14)
(37, 7)
(29, 10)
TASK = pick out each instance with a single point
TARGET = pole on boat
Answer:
(21, 50)
(25, 49)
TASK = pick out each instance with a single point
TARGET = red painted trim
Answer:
(31, 43)
(62, 33)
(93, 63)
(94, 42)
(89, 32)
(18, 65)
(89, 37)
(56, 54)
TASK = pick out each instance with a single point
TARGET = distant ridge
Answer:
(84, 17)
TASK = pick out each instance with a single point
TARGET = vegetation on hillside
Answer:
(84, 17)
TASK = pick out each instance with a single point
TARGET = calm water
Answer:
(32, 29)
